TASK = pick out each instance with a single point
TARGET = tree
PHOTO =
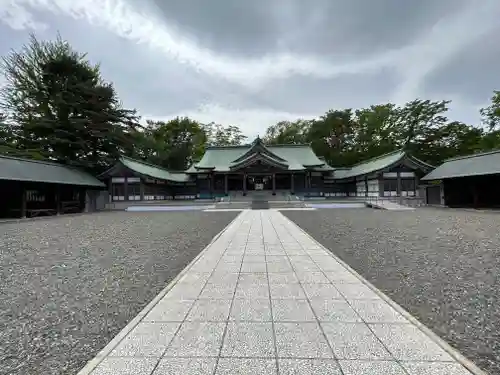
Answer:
(288, 132)
(62, 108)
(219, 135)
(174, 144)
(376, 130)
(332, 136)
(491, 114)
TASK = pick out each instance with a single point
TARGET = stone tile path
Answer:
(265, 298)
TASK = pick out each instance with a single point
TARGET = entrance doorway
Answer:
(259, 182)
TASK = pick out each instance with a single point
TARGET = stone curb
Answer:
(454, 353)
(93, 363)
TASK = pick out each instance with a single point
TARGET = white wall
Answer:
(373, 188)
(360, 189)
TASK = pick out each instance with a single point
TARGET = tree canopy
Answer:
(59, 107)
(56, 105)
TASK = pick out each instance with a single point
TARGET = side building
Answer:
(30, 188)
(396, 174)
(467, 181)
(135, 180)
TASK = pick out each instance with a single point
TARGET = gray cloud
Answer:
(470, 74)
(253, 63)
(324, 27)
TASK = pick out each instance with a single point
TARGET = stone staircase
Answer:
(259, 200)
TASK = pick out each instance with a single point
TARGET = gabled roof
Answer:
(20, 169)
(148, 170)
(290, 157)
(251, 158)
(377, 164)
(258, 147)
(484, 163)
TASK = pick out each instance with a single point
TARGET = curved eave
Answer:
(163, 175)
(205, 168)
(256, 157)
(258, 148)
(421, 163)
(156, 177)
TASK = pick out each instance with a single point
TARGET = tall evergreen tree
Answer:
(62, 108)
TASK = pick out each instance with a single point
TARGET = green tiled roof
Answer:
(250, 158)
(153, 171)
(485, 163)
(297, 157)
(370, 166)
(19, 169)
(377, 164)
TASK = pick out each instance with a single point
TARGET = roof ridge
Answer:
(48, 162)
(421, 161)
(265, 156)
(248, 145)
(290, 145)
(470, 156)
(378, 157)
(146, 163)
(227, 147)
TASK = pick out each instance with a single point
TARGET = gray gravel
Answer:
(68, 285)
(441, 265)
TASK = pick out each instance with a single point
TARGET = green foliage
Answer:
(57, 106)
(287, 132)
(491, 114)
(172, 144)
(61, 108)
(219, 135)
(345, 137)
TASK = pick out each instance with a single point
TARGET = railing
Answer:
(403, 201)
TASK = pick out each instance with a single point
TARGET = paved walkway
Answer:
(265, 298)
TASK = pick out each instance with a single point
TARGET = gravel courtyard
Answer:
(68, 285)
(441, 265)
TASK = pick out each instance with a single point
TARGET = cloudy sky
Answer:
(252, 63)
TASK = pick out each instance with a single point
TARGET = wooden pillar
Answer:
(274, 183)
(141, 188)
(366, 186)
(24, 198)
(57, 196)
(125, 188)
(110, 189)
(226, 191)
(212, 180)
(244, 184)
(400, 194)
(292, 183)
(82, 197)
(381, 185)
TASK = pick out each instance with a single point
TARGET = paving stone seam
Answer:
(103, 354)
(345, 300)
(334, 357)
(457, 356)
(194, 303)
(270, 297)
(232, 300)
(288, 357)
